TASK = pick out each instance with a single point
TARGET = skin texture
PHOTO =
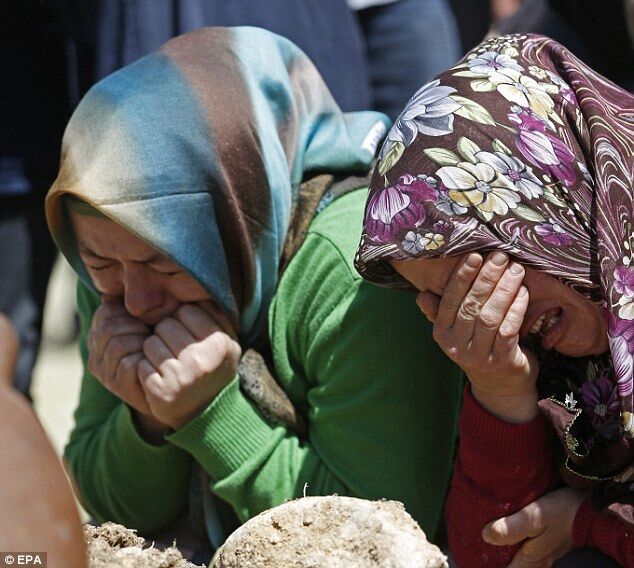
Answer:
(158, 341)
(481, 309)
(37, 509)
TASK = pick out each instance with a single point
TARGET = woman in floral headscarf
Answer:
(522, 151)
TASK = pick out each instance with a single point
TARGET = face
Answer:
(121, 265)
(566, 321)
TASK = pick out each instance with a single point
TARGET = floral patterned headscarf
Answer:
(521, 147)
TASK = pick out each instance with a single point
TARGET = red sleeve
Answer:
(500, 469)
(605, 532)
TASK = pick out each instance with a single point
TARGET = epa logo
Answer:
(23, 559)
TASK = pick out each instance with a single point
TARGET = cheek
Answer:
(538, 285)
(187, 290)
(595, 320)
(107, 282)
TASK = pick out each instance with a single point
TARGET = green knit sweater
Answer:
(379, 398)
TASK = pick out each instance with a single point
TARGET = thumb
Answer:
(428, 303)
(515, 528)
(222, 319)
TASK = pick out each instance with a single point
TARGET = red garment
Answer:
(500, 469)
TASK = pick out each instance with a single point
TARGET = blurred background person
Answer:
(36, 106)
(113, 33)
(474, 19)
(596, 32)
(599, 33)
(407, 42)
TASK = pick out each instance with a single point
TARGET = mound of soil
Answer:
(330, 532)
(114, 546)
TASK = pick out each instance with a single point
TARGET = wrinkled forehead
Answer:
(97, 235)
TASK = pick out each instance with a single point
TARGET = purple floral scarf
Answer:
(523, 148)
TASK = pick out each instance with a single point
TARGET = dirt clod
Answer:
(342, 532)
(114, 546)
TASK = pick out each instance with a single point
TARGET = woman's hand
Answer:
(115, 348)
(546, 523)
(477, 323)
(190, 358)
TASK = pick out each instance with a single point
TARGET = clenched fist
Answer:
(191, 356)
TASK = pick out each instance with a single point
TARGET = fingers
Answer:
(508, 333)
(187, 361)
(428, 303)
(108, 364)
(144, 370)
(457, 287)
(526, 523)
(189, 345)
(117, 368)
(226, 352)
(174, 335)
(496, 310)
(157, 353)
(162, 380)
(153, 382)
(485, 305)
(470, 310)
(198, 321)
(221, 318)
(128, 372)
(106, 326)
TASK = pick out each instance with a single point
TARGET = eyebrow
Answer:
(153, 258)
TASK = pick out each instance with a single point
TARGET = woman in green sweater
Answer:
(187, 180)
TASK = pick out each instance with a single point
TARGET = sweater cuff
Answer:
(515, 442)
(159, 459)
(228, 433)
(582, 525)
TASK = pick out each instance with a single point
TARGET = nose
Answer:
(144, 298)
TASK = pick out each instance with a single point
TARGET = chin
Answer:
(585, 350)
(571, 352)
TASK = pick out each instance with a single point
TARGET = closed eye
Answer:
(167, 273)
